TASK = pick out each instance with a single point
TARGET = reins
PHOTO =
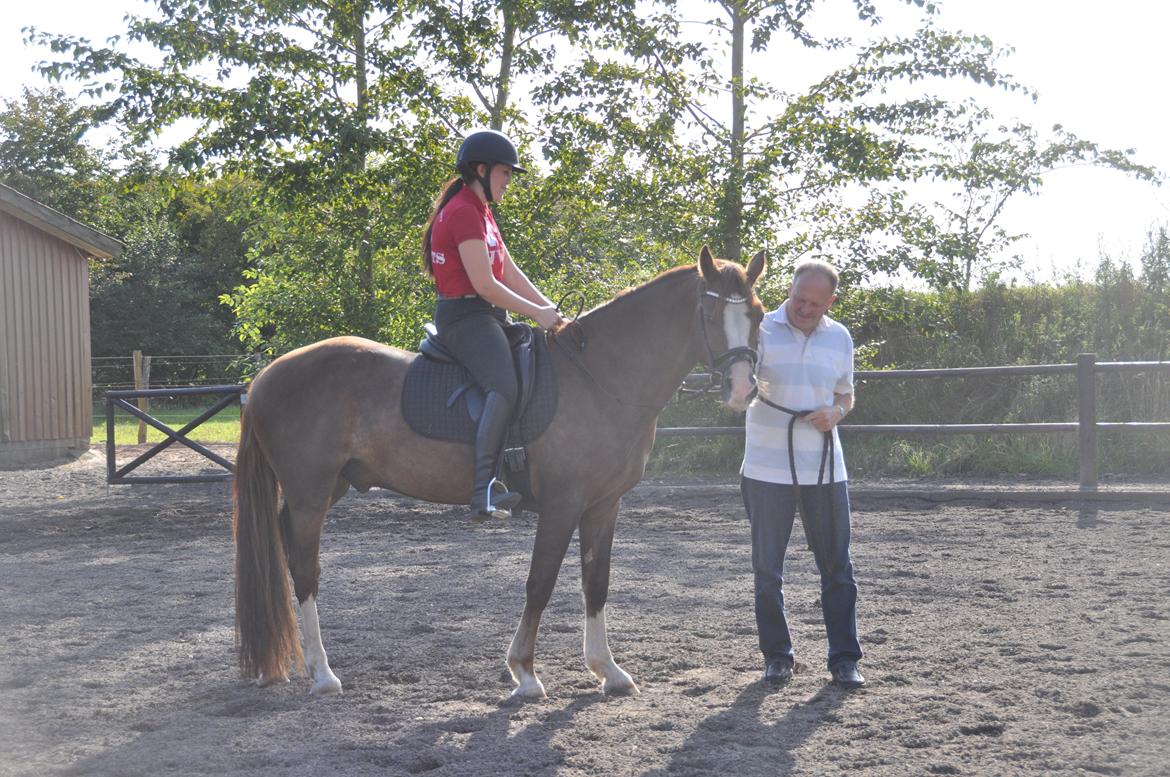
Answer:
(575, 330)
(580, 346)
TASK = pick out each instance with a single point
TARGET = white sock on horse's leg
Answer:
(324, 681)
(521, 660)
(599, 658)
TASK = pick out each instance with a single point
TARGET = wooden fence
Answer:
(230, 396)
(1086, 426)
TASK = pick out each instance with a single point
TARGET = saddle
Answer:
(441, 401)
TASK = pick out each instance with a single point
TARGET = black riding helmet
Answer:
(488, 147)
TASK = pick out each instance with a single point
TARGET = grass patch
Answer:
(222, 427)
(961, 455)
(696, 455)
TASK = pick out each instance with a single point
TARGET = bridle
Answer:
(721, 365)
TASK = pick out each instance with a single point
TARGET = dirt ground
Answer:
(1001, 639)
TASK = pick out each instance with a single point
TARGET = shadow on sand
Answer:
(758, 733)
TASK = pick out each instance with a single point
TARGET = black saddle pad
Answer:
(430, 387)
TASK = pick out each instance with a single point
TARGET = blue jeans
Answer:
(771, 508)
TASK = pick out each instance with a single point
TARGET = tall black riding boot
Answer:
(489, 497)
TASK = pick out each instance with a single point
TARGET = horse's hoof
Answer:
(324, 683)
(326, 686)
(621, 686)
(529, 691)
(263, 681)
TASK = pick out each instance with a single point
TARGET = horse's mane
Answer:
(731, 271)
(632, 294)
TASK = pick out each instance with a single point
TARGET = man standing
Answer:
(805, 374)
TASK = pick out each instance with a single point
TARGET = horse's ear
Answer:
(707, 265)
(756, 268)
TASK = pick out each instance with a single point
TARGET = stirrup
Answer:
(501, 508)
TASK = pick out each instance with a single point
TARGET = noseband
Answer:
(721, 365)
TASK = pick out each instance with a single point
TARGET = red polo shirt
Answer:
(465, 217)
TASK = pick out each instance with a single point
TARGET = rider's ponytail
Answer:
(450, 189)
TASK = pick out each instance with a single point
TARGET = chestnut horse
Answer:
(328, 416)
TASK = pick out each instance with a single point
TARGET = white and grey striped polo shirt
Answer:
(802, 373)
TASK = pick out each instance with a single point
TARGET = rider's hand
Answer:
(548, 318)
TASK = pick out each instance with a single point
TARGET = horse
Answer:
(327, 416)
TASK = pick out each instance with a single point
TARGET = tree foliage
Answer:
(836, 167)
(183, 238)
(345, 114)
(184, 244)
(44, 154)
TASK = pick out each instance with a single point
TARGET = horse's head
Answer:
(729, 320)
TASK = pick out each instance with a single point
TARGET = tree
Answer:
(301, 94)
(347, 113)
(44, 154)
(841, 159)
(161, 294)
(596, 108)
(1155, 261)
(184, 246)
(988, 165)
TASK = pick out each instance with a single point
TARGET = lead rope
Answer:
(828, 454)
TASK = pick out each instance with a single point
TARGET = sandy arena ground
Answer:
(1001, 638)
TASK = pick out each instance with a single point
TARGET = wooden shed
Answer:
(46, 411)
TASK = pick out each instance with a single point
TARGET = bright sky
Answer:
(1097, 67)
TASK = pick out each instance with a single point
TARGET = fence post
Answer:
(1087, 419)
(111, 464)
(142, 381)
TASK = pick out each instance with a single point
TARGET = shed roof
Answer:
(57, 224)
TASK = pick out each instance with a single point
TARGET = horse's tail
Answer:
(266, 624)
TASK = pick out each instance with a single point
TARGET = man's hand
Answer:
(825, 418)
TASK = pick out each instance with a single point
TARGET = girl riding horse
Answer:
(478, 284)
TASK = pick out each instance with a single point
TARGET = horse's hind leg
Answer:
(553, 533)
(305, 524)
(324, 681)
(596, 538)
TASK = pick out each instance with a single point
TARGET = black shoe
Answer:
(777, 673)
(845, 674)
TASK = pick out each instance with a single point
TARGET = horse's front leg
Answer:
(596, 536)
(553, 532)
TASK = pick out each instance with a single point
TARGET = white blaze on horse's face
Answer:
(737, 328)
